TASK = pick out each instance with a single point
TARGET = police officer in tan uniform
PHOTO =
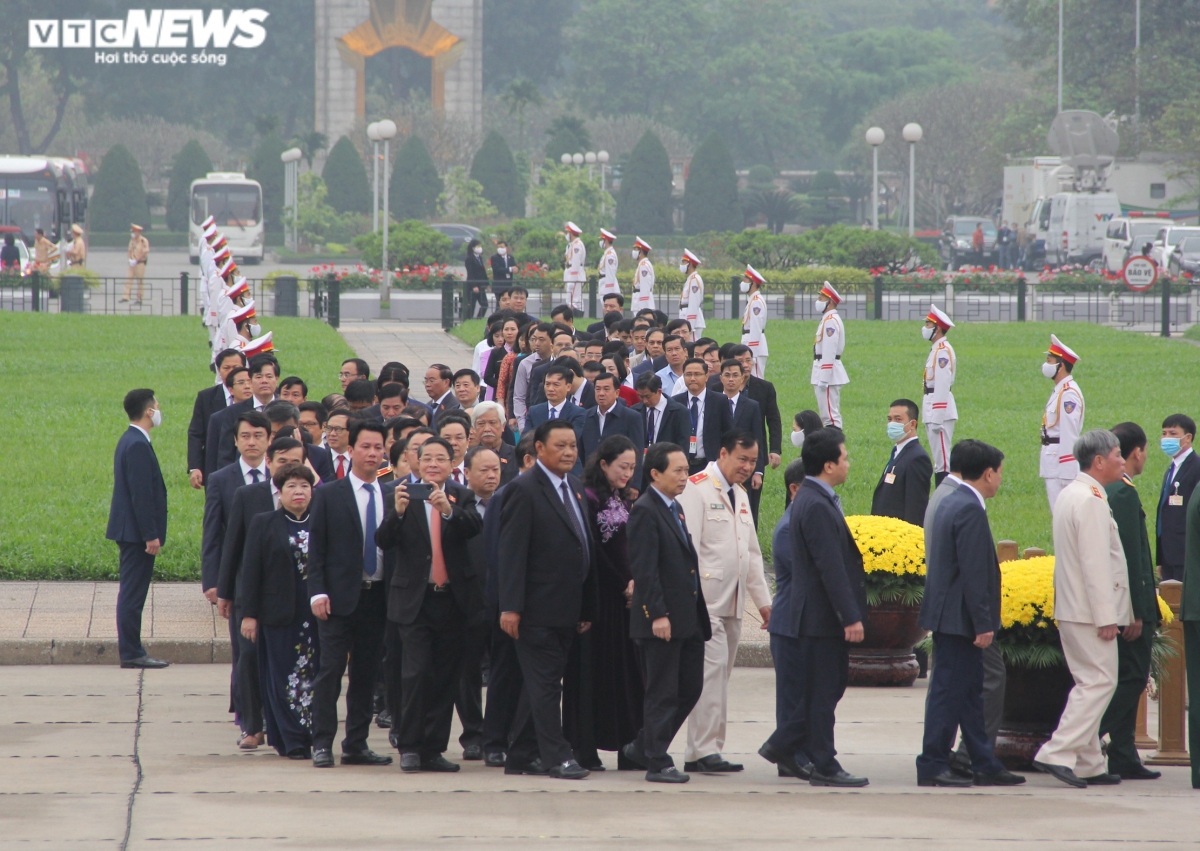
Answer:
(139, 252)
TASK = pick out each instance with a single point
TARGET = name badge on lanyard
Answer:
(1175, 498)
(889, 478)
(692, 445)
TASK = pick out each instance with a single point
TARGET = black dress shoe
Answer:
(410, 762)
(946, 778)
(786, 762)
(495, 760)
(322, 758)
(383, 719)
(144, 662)
(591, 762)
(838, 778)
(299, 753)
(365, 758)
(394, 738)
(1105, 779)
(1000, 778)
(670, 774)
(535, 768)
(1062, 773)
(960, 764)
(569, 770)
(473, 753)
(712, 764)
(1139, 773)
(439, 763)
(628, 759)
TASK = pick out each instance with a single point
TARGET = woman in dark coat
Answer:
(273, 596)
(602, 690)
(477, 278)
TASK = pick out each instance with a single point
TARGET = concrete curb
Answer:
(83, 651)
(754, 654)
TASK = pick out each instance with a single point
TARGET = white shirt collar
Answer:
(246, 468)
(900, 446)
(662, 402)
(358, 483)
(555, 479)
(142, 430)
(1180, 458)
(666, 499)
(978, 495)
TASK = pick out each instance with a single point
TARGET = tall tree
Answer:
(523, 39)
(346, 179)
(268, 170)
(521, 94)
(119, 198)
(191, 163)
(710, 198)
(496, 171)
(644, 203)
(415, 183)
(63, 67)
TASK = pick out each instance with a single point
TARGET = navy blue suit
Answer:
(505, 683)
(570, 412)
(717, 421)
(209, 401)
(619, 420)
(749, 416)
(220, 447)
(138, 514)
(962, 600)
(218, 504)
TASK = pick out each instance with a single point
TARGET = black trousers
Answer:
(695, 465)
(136, 567)
(469, 700)
(810, 678)
(393, 664)
(755, 498)
(433, 645)
(247, 694)
(542, 653)
(477, 298)
(359, 638)
(1120, 719)
(674, 675)
(505, 695)
(955, 702)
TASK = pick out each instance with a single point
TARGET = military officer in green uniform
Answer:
(1133, 648)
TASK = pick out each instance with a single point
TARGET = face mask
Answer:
(798, 438)
(744, 286)
(820, 305)
(683, 268)
(895, 431)
(1170, 445)
(634, 253)
(1049, 369)
(478, 250)
(156, 419)
(255, 329)
(927, 332)
(502, 251)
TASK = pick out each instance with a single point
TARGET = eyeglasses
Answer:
(335, 429)
(347, 375)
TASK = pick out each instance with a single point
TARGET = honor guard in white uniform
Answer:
(691, 300)
(229, 300)
(643, 276)
(240, 328)
(574, 273)
(1062, 421)
(259, 346)
(607, 270)
(938, 408)
(828, 372)
(754, 320)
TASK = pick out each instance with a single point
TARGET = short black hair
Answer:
(468, 373)
(233, 374)
(469, 458)
(254, 419)
(699, 361)
(676, 324)
(436, 441)
(137, 402)
(525, 448)
(283, 444)
(517, 290)
(976, 457)
(340, 412)
(563, 310)
(317, 408)
(673, 338)
(227, 353)
(402, 422)
(658, 456)
(293, 471)
(910, 407)
(445, 420)
(360, 390)
(734, 350)
(444, 372)
(542, 433)
(562, 371)
(358, 426)
(392, 391)
(399, 446)
(706, 341)
(794, 473)
(736, 437)
(360, 366)
(648, 381)
(280, 411)
(823, 446)
(1182, 421)
(613, 318)
(657, 331)
(603, 376)
(568, 362)
(294, 381)
(809, 421)
(1131, 436)
(544, 328)
(259, 363)
(731, 363)
(620, 298)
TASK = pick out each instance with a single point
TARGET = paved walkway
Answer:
(415, 344)
(101, 757)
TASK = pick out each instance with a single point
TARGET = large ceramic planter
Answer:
(1034, 699)
(885, 657)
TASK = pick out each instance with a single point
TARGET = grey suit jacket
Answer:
(948, 486)
(962, 573)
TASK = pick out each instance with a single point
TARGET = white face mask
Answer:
(478, 250)
(255, 329)
(1049, 369)
(156, 418)
(502, 251)
(798, 438)
(820, 305)
(927, 332)
(635, 253)
(744, 286)
(683, 268)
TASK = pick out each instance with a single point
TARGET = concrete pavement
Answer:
(106, 758)
(416, 344)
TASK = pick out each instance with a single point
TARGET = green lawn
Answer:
(1000, 392)
(64, 378)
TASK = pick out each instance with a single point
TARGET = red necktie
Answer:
(341, 470)
(437, 575)
(457, 480)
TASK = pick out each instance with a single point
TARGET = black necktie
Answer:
(695, 413)
(649, 426)
(370, 558)
(890, 459)
(575, 527)
(732, 500)
(256, 474)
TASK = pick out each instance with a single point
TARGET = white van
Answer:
(1078, 224)
(1165, 240)
(1126, 236)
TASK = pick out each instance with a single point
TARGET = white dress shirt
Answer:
(699, 421)
(577, 397)
(659, 410)
(733, 400)
(602, 414)
(1177, 463)
(334, 456)
(556, 483)
(249, 479)
(361, 495)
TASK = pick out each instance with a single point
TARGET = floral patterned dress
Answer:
(288, 658)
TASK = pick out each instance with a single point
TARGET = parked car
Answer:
(1125, 237)
(955, 244)
(1165, 241)
(460, 234)
(1185, 258)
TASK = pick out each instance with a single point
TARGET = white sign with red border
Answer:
(1139, 273)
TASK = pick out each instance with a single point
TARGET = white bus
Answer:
(237, 205)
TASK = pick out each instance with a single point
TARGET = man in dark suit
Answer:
(547, 593)
(611, 417)
(961, 607)
(903, 488)
(557, 406)
(251, 436)
(664, 419)
(502, 263)
(137, 521)
(433, 595)
(669, 620)
(220, 450)
(811, 631)
(654, 357)
(1178, 433)
(345, 582)
(708, 416)
(208, 402)
(562, 343)
(282, 414)
(614, 312)
(438, 384)
(487, 425)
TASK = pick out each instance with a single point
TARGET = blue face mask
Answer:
(895, 431)
(1170, 445)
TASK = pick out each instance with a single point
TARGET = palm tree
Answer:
(779, 206)
(521, 93)
(310, 144)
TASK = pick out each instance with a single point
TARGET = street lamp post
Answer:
(875, 137)
(912, 134)
(602, 158)
(291, 192)
(386, 130)
(373, 135)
